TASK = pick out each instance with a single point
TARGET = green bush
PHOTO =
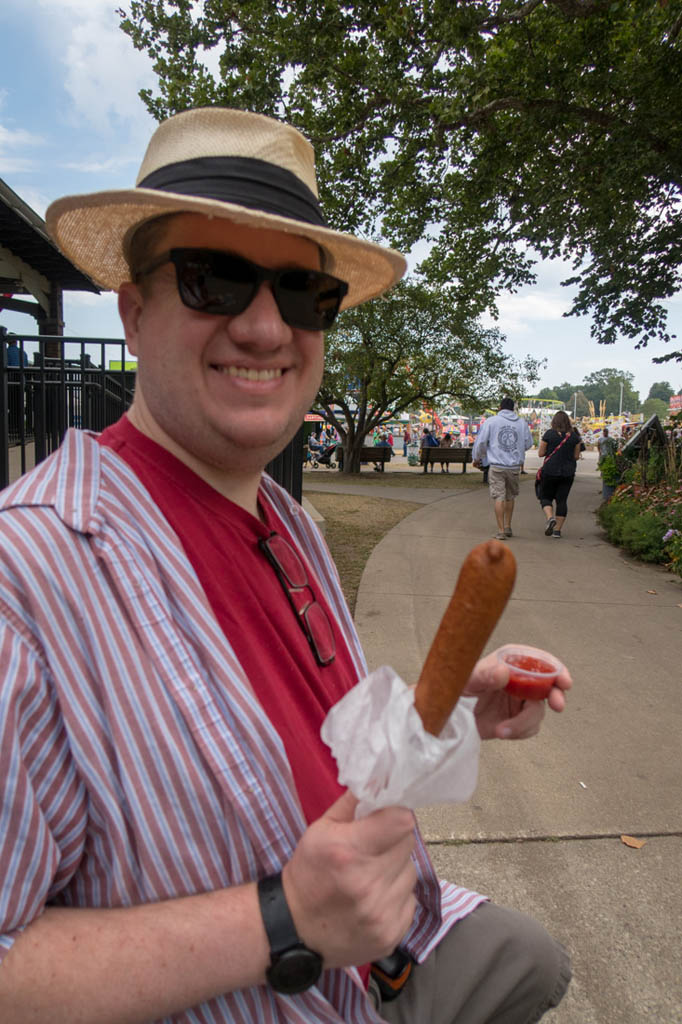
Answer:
(642, 535)
(614, 516)
(616, 469)
(644, 515)
(631, 474)
(647, 524)
(610, 471)
(656, 466)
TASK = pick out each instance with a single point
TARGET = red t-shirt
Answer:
(220, 540)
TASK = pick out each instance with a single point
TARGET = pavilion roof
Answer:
(24, 233)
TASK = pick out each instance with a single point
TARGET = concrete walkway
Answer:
(542, 832)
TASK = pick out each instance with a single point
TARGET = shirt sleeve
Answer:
(42, 800)
(481, 440)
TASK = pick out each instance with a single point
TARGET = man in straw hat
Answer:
(175, 843)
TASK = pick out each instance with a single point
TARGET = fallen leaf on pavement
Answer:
(636, 844)
(652, 591)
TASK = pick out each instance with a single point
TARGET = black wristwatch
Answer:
(293, 967)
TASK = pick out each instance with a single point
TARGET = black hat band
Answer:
(245, 181)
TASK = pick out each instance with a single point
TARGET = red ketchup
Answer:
(530, 677)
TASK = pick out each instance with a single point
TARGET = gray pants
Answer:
(495, 966)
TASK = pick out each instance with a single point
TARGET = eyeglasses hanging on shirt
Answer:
(310, 614)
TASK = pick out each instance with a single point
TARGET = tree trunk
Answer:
(351, 454)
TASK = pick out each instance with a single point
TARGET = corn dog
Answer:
(483, 587)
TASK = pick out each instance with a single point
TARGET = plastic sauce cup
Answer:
(531, 672)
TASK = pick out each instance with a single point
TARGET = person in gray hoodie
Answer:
(503, 440)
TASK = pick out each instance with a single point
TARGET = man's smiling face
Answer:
(229, 391)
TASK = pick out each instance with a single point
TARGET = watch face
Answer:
(295, 970)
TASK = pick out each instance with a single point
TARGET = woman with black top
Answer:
(561, 445)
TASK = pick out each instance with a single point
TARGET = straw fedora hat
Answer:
(244, 167)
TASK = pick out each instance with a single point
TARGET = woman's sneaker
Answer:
(551, 523)
(557, 533)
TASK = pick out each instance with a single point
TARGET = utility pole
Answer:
(575, 402)
(620, 406)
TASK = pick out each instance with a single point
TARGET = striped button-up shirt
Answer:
(136, 764)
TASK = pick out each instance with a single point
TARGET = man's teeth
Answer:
(240, 371)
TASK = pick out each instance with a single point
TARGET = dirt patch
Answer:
(395, 478)
(353, 527)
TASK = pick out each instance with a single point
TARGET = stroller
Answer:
(322, 455)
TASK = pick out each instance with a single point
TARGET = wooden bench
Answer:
(430, 455)
(379, 454)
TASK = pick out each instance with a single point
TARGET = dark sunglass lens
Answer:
(308, 299)
(223, 284)
(216, 283)
(191, 284)
(328, 302)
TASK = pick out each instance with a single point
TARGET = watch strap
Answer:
(279, 924)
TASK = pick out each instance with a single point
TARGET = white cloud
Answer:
(12, 143)
(210, 59)
(518, 311)
(81, 300)
(111, 166)
(17, 138)
(92, 316)
(15, 165)
(83, 9)
(103, 73)
(521, 314)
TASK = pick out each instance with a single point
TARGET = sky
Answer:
(71, 121)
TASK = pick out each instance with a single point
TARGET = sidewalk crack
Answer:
(550, 838)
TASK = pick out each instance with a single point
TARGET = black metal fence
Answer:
(87, 386)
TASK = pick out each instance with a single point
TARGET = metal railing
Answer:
(87, 386)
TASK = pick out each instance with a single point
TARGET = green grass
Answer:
(354, 525)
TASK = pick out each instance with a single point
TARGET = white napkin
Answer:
(387, 759)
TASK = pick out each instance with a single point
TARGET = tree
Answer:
(481, 126)
(605, 385)
(565, 392)
(578, 404)
(655, 406)
(404, 351)
(549, 394)
(662, 389)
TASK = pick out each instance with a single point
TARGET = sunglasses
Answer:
(220, 283)
(311, 616)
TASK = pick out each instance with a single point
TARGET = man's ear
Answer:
(130, 304)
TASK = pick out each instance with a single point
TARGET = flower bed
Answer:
(644, 514)
(647, 522)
